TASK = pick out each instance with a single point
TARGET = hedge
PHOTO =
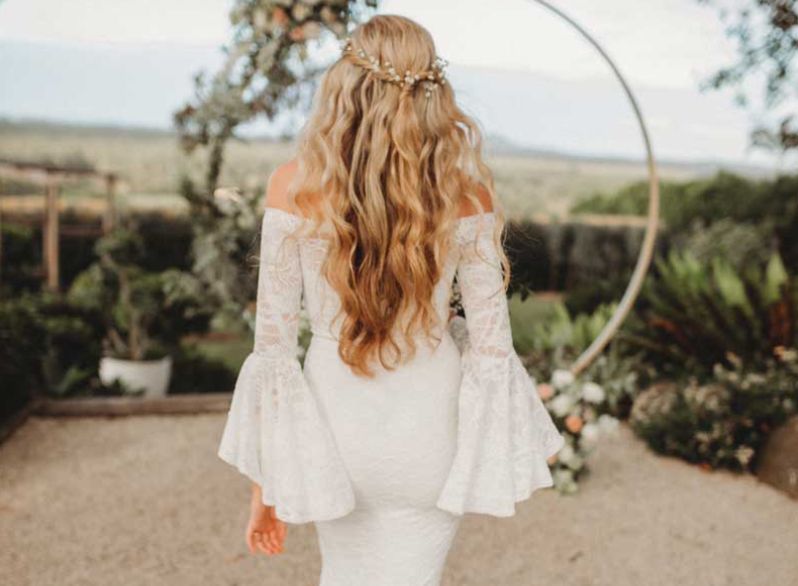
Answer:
(545, 256)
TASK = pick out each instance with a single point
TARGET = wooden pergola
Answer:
(50, 178)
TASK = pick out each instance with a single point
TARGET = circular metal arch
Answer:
(647, 249)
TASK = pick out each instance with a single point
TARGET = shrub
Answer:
(22, 343)
(692, 315)
(590, 297)
(740, 244)
(570, 255)
(564, 337)
(193, 372)
(72, 347)
(166, 243)
(21, 260)
(770, 205)
(144, 313)
(47, 346)
(632, 200)
(723, 423)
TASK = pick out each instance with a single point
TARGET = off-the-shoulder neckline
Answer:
(460, 221)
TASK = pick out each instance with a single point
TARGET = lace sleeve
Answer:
(479, 274)
(274, 433)
(505, 433)
(279, 298)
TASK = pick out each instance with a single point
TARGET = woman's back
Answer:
(385, 465)
(320, 299)
(385, 456)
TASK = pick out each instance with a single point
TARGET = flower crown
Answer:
(431, 78)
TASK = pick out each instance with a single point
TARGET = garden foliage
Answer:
(723, 422)
(144, 313)
(769, 205)
(694, 314)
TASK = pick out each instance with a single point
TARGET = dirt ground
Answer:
(145, 500)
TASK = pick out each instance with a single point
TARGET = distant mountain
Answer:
(500, 145)
(522, 111)
(56, 127)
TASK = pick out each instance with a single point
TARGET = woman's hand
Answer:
(265, 532)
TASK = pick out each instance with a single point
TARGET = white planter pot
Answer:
(151, 375)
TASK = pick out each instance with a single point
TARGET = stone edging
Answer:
(122, 406)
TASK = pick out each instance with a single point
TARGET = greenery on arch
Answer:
(268, 69)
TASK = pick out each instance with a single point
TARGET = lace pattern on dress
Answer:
(275, 433)
(505, 433)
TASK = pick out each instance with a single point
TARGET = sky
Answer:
(524, 73)
(649, 37)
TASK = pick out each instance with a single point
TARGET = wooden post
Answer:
(50, 235)
(51, 177)
(1, 245)
(109, 218)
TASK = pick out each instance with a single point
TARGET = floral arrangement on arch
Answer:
(266, 71)
(266, 68)
(577, 408)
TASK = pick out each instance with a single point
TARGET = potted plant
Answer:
(145, 313)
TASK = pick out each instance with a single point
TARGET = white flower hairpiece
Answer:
(431, 78)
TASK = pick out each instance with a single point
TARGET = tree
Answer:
(267, 70)
(266, 67)
(766, 35)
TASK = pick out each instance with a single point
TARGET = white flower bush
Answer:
(561, 405)
(576, 406)
(593, 393)
(562, 379)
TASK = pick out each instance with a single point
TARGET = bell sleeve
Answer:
(275, 433)
(505, 434)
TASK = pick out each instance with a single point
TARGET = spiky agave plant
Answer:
(695, 314)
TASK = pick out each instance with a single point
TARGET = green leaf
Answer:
(775, 279)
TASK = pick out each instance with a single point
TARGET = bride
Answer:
(400, 420)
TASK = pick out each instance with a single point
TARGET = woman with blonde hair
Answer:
(400, 420)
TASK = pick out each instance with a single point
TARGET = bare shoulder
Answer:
(467, 208)
(277, 187)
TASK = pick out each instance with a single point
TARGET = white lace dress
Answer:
(385, 467)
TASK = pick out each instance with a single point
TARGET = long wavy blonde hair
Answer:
(389, 169)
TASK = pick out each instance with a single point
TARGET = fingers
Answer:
(276, 536)
(265, 531)
(269, 541)
(273, 542)
(257, 543)
(262, 546)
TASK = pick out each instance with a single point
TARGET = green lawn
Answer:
(523, 314)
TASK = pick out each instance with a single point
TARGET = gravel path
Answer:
(144, 500)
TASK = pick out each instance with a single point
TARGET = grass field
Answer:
(151, 165)
(524, 314)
